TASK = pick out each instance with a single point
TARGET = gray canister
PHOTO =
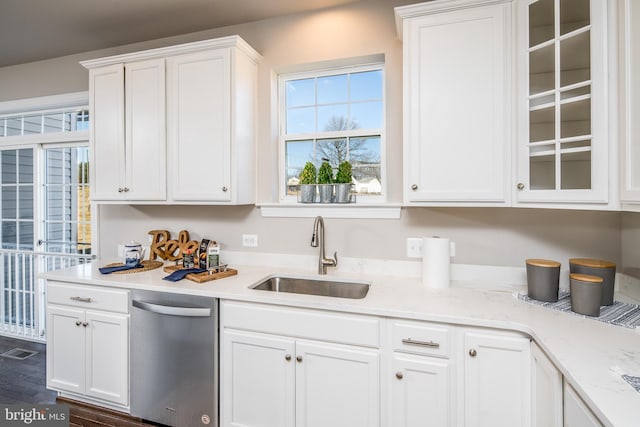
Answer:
(599, 268)
(586, 294)
(543, 278)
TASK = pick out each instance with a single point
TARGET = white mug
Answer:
(133, 253)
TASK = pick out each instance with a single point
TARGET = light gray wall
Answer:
(630, 236)
(489, 236)
(493, 236)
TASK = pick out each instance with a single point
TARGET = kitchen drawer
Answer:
(302, 323)
(89, 297)
(421, 338)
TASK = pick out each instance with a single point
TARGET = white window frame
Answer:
(324, 71)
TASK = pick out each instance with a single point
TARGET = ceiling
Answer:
(32, 30)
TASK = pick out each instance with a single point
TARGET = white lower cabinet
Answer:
(496, 384)
(296, 378)
(258, 380)
(546, 390)
(88, 349)
(420, 391)
(576, 412)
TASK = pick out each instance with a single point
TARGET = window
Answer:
(334, 115)
(50, 121)
(44, 209)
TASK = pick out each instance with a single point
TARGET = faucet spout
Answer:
(317, 240)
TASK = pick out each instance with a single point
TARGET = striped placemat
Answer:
(619, 313)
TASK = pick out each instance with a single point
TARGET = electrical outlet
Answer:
(250, 240)
(414, 247)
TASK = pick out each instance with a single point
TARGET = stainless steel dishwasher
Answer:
(174, 358)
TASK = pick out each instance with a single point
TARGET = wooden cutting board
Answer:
(203, 277)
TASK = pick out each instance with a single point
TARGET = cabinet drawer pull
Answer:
(430, 344)
(414, 187)
(80, 299)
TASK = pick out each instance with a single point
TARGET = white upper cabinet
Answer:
(211, 126)
(189, 138)
(128, 131)
(457, 97)
(630, 103)
(564, 143)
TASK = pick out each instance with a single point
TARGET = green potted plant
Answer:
(307, 184)
(343, 181)
(325, 180)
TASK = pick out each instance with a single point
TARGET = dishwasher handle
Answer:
(172, 310)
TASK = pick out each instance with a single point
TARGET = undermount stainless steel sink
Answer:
(327, 288)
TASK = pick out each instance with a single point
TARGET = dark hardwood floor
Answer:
(23, 381)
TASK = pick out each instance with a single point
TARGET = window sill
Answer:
(333, 210)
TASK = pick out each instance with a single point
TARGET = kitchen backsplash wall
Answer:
(487, 236)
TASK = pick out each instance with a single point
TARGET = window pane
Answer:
(54, 123)
(9, 206)
(9, 235)
(25, 200)
(25, 240)
(301, 92)
(365, 158)
(301, 120)
(298, 153)
(32, 125)
(332, 118)
(25, 162)
(366, 86)
(9, 169)
(366, 115)
(332, 89)
(14, 127)
(335, 151)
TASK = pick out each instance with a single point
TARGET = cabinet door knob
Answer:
(287, 357)
(126, 189)
(85, 324)
(225, 189)
(78, 323)
(414, 187)
(120, 190)
(399, 375)
(299, 358)
(520, 186)
(473, 352)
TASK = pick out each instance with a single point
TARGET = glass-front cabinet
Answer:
(563, 143)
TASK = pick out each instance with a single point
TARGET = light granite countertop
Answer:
(590, 354)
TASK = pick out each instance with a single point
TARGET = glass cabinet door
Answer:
(561, 87)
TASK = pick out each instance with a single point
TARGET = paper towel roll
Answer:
(436, 262)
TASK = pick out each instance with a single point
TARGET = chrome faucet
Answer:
(318, 239)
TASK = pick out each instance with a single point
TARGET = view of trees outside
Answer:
(336, 118)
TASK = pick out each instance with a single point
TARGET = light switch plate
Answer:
(250, 240)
